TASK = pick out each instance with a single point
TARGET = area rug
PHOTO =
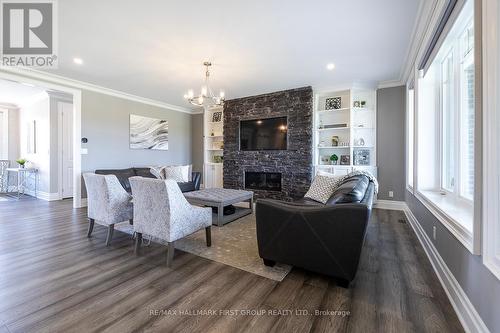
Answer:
(234, 244)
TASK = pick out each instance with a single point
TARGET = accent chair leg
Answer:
(170, 253)
(131, 221)
(111, 228)
(269, 263)
(91, 227)
(138, 243)
(208, 234)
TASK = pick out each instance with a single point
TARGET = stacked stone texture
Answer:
(294, 164)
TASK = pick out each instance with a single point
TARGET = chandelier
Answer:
(206, 97)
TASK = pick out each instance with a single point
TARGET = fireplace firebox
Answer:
(267, 181)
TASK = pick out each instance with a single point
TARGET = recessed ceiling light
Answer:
(28, 84)
(330, 66)
(78, 61)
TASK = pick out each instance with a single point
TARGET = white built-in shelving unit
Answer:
(348, 130)
(213, 146)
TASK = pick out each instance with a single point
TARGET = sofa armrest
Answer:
(196, 179)
(326, 239)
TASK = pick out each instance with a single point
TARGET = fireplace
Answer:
(267, 181)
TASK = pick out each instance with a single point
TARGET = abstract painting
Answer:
(148, 133)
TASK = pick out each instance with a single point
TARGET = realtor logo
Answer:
(29, 33)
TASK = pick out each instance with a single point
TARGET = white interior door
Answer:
(66, 145)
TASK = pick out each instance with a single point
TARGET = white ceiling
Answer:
(17, 93)
(155, 48)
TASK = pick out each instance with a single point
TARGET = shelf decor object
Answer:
(333, 103)
(335, 126)
(345, 159)
(362, 157)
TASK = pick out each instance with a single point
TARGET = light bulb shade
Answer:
(222, 94)
(204, 91)
(190, 93)
(200, 100)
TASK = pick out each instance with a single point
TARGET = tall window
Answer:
(457, 115)
(445, 127)
(410, 130)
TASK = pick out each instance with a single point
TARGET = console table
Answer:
(23, 176)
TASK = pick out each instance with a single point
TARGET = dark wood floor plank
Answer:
(55, 279)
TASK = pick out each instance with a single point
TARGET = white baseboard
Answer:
(44, 195)
(467, 314)
(390, 204)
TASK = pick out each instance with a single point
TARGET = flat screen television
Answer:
(264, 134)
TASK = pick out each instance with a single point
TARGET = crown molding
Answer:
(53, 78)
(391, 84)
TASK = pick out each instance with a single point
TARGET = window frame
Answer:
(410, 141)
(491, 137)
(451, 211)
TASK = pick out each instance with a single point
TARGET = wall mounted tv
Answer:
(264, 134)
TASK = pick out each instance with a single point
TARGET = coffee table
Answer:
(220, 198)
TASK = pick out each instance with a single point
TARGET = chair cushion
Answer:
(322, 188)
(144, 172)
(351, 190)
(122, 174)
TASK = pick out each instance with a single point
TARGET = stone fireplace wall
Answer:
(295, 164)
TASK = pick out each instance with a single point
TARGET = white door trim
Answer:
(77, 125)
(60, 157)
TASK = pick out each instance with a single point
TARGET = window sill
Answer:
(455, 215)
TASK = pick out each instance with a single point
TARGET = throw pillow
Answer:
(157, 172)
(177, 173)
(322, 188)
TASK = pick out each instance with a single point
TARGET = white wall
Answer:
(13, 136)
(37, 110)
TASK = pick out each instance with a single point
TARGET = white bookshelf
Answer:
(354, 127)
(213, 146)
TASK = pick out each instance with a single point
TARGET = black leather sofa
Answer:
(323, 238)
(124, 174)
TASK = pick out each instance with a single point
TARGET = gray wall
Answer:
(197, 142)
(480, 285)
(105, 122)
(391, 158)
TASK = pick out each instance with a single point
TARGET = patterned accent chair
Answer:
(161, 211)
(4, 175)
(108, 203)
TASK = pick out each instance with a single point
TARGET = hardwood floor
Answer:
(54, 279)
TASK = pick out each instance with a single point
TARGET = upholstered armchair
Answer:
(161, 211)
(4, 176)
(108, 203)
